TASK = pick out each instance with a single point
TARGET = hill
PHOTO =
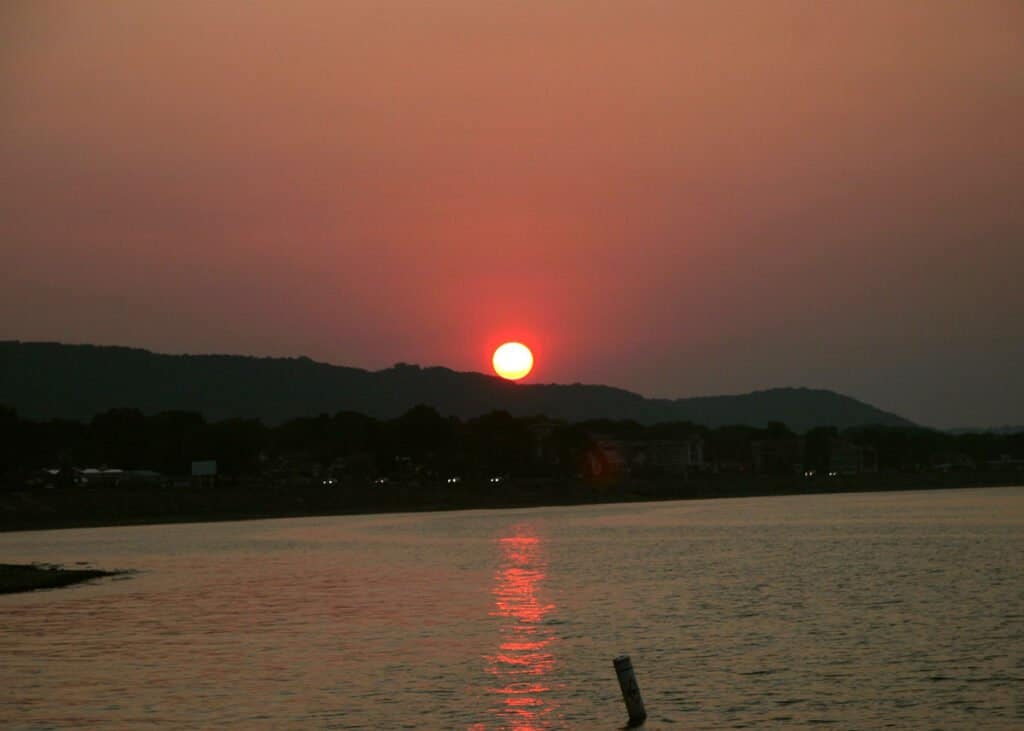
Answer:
(52, 380)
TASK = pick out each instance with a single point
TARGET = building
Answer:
(649, 457)
(776, 456)
(671, 457)
(847, 458)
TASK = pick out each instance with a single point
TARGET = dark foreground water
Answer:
(865, 611)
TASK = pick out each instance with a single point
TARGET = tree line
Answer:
(425, 443)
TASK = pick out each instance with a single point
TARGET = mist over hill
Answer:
(53, 380)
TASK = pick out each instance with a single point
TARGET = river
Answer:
(868, 610)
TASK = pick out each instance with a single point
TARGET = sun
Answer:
(512, 361)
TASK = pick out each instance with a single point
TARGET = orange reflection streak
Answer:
(524, 656)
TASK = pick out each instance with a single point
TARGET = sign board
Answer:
(205, 468)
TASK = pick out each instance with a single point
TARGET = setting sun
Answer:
(512, 361)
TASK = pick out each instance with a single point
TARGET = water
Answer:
(901, 610)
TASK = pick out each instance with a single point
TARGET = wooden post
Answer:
(630, 690)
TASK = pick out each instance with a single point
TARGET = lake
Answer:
(868, 610)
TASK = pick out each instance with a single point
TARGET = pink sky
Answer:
(678, 198)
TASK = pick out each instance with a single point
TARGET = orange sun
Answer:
(512, 361)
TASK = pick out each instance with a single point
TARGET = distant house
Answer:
(544, 451)
(1006, 462)
(732, 464)
(646, 456)
(291, 471)
(101, 476)
(847, 458)
(731, 457)
(66, 476)
(141, 478)
(671, 457)
(951, 462)
(609, 458)
(204, 472)
(775, 456)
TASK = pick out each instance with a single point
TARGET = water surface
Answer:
(902, 610)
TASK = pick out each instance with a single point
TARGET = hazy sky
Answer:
(679, 198)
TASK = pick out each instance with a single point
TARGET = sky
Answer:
(677, 198)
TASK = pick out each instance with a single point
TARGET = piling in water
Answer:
(630, 690)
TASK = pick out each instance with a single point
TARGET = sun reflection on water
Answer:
(524, 660)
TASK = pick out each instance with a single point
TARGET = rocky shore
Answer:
(29, 577)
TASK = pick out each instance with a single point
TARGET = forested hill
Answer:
(52, 380)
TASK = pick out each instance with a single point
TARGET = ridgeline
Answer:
(52, 380)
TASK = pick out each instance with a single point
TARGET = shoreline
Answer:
(67, 508)
(17, 578)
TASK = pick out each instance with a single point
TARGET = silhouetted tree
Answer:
(120, 438)
(818, 447)
(497, 442)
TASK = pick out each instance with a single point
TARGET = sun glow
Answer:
(512, 361)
